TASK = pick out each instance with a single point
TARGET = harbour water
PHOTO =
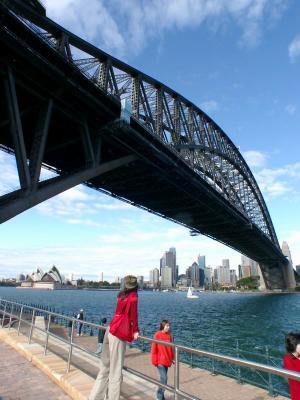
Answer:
(250, 325)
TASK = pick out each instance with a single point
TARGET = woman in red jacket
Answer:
(162, 356)
(292, 361)
(123, 328)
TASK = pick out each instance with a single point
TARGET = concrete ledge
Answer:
(75, 383)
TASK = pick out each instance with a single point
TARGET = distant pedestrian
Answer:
(80, 316)
(162, 356)
(123, 328)
(70, 322)
(101, 334)
(291, 361)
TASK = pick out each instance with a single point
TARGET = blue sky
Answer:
(238, 60)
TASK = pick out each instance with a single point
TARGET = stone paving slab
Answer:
(20, 380)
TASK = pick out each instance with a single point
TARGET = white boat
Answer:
(190, 294)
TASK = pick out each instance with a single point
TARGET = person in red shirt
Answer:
(162, 356)
(123, 328)
(291, 361)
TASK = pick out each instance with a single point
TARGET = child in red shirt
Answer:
(292, 361)
(162, 356)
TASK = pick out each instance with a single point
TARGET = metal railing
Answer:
(13, 312)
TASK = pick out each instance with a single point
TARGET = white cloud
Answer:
(255, 158)
(209, 106)
(276, 182)
(294, 49)
(291, 109)
(124, 27)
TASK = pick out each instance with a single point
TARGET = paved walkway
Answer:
(20, 380)
(197, 382)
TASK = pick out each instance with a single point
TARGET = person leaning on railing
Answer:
(291, 361)
(123, 328)
(162, 356)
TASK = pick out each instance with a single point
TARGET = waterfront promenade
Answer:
(78, 382)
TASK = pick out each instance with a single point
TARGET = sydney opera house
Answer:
(45, 280)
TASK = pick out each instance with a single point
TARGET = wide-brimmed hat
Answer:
(130, 282)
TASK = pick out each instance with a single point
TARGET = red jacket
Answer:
(292, 363)
(162, 355)
(125, 306)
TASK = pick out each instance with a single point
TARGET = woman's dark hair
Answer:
(292, 339)
(125, 292)
(163, 323)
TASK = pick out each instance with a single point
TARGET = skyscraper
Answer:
(166, 277)
(154, 277)
(226, 263)
(195, 274)
(169, 260)
(223, 274)
(202, 266)
(249, 265)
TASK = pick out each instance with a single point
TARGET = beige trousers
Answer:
(108, 382)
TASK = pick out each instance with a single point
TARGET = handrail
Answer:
(177, 348)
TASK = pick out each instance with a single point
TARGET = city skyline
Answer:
(85, 232)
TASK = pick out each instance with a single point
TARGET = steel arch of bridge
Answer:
(179, 123)
(176, 122)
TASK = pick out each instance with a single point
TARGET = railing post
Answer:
(176, 374)
(31, 327)
(192, 358)
(4, 313)
(270, 381)
(238, 356)
(213, 368)
(71, 347)
(20, 319)
(47, 336)
(10, 317)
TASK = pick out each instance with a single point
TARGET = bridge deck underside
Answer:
(158, 180)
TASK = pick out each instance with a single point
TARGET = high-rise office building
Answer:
(253, 266)
(223, 274)
(166, 277)
(195, 274)
(202, 266)
(208, 275)
(226, 263)
(233, 277)
(169, 260)
(154, 277)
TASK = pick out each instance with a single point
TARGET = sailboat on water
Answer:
(190, 294)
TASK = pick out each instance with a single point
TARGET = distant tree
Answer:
(250, 283)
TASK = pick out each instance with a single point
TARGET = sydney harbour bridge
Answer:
(92, 119)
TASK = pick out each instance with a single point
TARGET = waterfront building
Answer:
(223, 274)
(202, 266)
(50, 280)
(195, 275)
(208, 274)
(169, 260)
(246, 271)
(248, 262)
(166, 277)
(233, 277)
(154, 277)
